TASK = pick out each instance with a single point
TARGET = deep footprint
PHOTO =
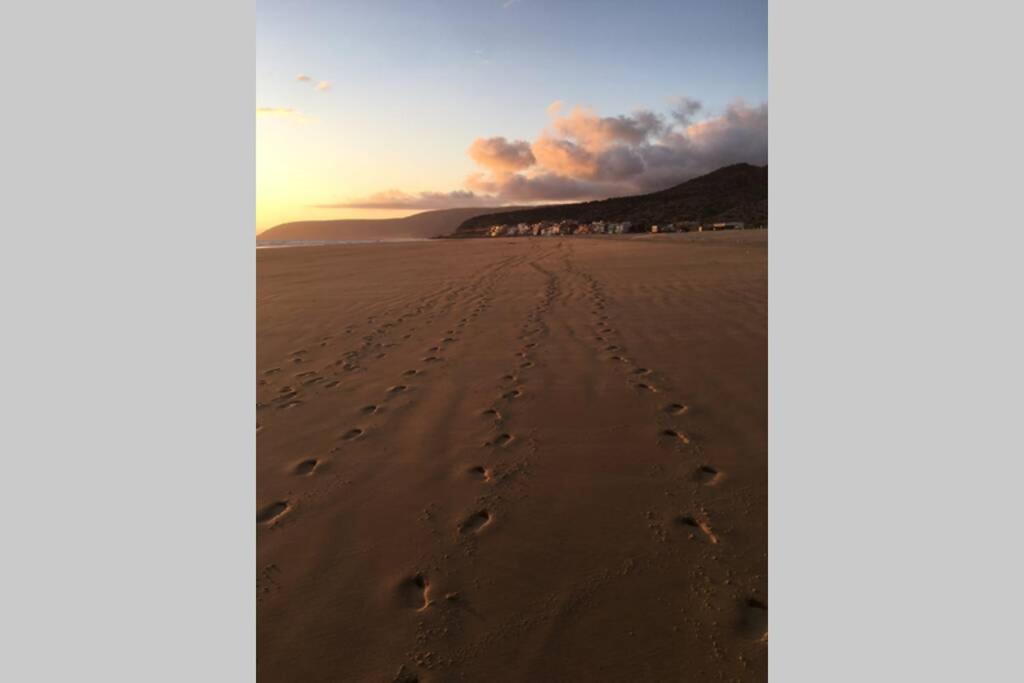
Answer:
(676, 409)
(706, 474)
(753, 619)
(414, 592)
(500, 440)
(698, 525)
(673, 434)
(480, 472)
(306, 467)
(271, 512)
(352, 434)
(475, 522)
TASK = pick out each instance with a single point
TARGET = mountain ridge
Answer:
(738, 192)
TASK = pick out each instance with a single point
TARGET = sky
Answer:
(381, 108)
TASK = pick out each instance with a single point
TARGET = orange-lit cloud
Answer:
(564, 157)
(595, 133)
(501, 156)
(323, 85)
(586, 156)
(304, 78)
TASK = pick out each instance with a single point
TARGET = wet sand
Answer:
(533, 459)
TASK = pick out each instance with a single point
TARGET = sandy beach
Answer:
(533, 459)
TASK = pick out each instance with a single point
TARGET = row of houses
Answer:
(549, 228)
(570, 227)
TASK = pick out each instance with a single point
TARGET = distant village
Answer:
(571, 227)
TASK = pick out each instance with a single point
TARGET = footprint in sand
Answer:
(674, 434)
(753, 619)
(676, 409)
(369, 410)
(480, 472)
(706, 474)
(509, 395)
(306, 467)
(354, 433)
(272, 512)
(431, 359)
(331, 384)
(397, 389)
(476, 522)
(500, 440)
(410, 373)
(641, 371)
(492, 412)
(645, 387)
(414, 592)
(272, 371)
(698, 525)
(527, 364)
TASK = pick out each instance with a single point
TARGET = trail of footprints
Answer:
(414, 592)
(696, 525)
(375, 343)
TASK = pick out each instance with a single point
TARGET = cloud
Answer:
(501, 156)
(595, 133)
(582, 155)
(508, 3)
(564, 157)
(323, 85)
(303, 77)
(396, 199)
(684, 110)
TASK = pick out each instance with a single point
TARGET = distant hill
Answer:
(732, 193)
(420, 225)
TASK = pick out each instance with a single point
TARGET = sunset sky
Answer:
(379, 108)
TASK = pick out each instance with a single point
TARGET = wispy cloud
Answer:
(509, 3)
(319, 85)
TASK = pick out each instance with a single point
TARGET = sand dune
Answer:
(513, 460)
